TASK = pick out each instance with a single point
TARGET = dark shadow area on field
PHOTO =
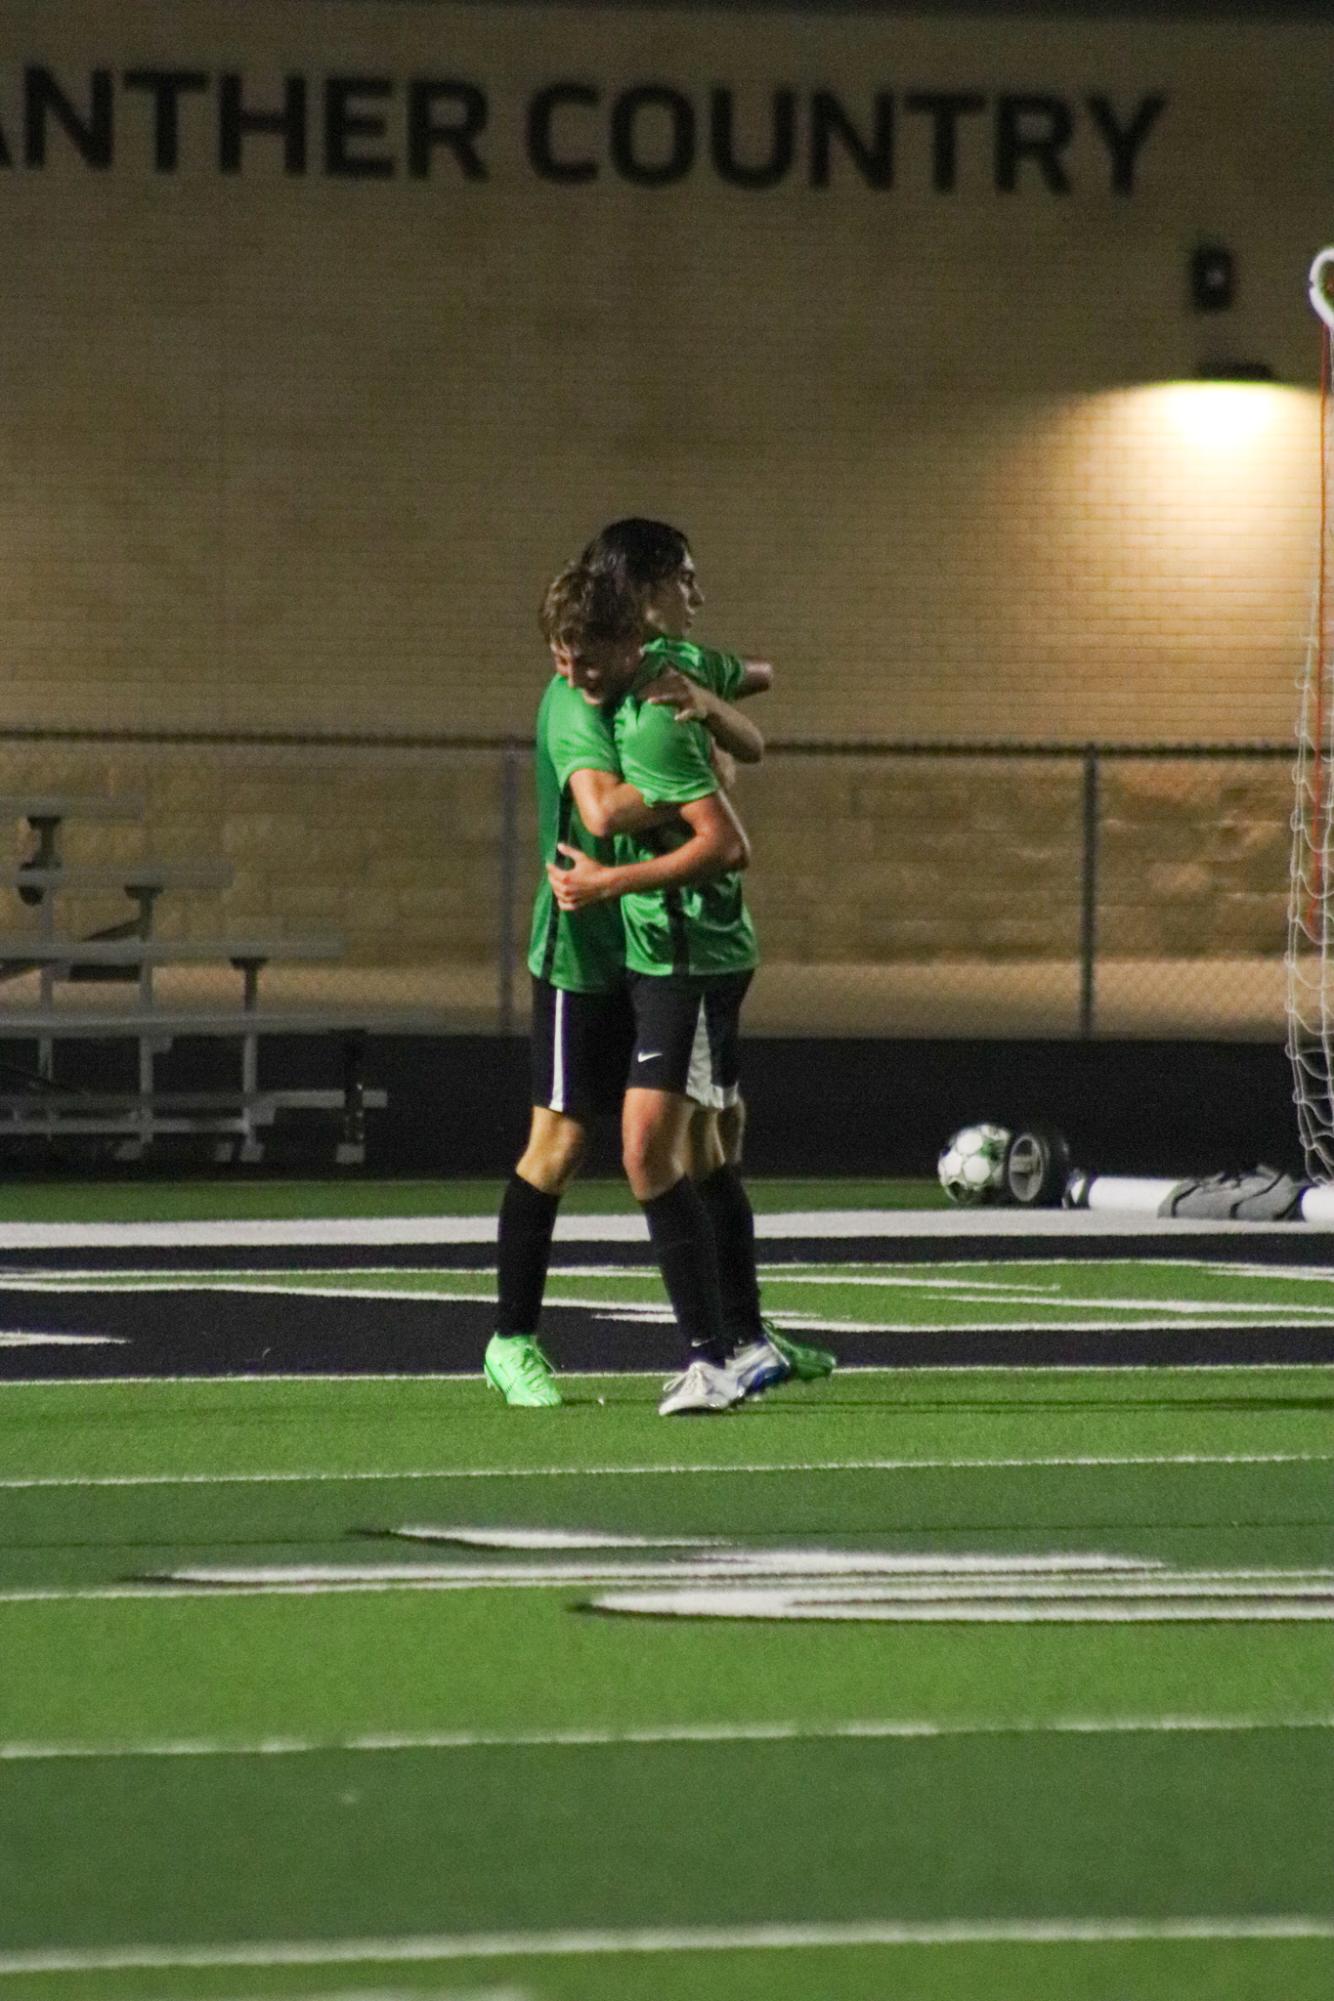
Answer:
(209, 1332)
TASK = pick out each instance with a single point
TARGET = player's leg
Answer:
(763, 1356)
(732, 1131)
(655, 1131)
(578, 1048)
(733, 1225)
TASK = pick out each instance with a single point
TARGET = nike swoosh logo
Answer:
(649, 1056)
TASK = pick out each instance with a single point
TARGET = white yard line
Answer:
(1057, 1309)
(951, 1225)
(1063, 1318)
(671, 1469)
(13, 1337)
(765, 1587)
(872, 1729)
(401, 1949)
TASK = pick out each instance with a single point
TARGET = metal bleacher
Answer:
(34, 1099)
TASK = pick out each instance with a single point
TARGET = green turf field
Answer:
(908, 1742)
(195, 1199)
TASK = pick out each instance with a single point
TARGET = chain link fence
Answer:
(898, 889)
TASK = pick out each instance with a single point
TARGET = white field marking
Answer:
(646, 1312)
(1037, 1294)
(853, 1270)
(891, 1729)
(963, 1292)
(800, 1584)
(1321, 1274)
(621, 1227)
(404, 1949)
(157, 1280)
(810, 1604)
(1057, 1309)
(483, 1538)
(823, 1323)
(1057, 1322)
(784, 1563)
(786, 1598)
(13, 1338)
(669, 1469)
(779, 1275)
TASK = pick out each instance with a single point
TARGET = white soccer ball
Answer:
(972, 1166)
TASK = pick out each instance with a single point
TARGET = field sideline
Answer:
(986, 1680)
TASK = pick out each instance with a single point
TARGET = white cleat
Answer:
(759, 1366)
(704, 1386)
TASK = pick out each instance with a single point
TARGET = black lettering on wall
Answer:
(344, 122)
(235, 122)
(166, 88)
(444, 112)
(782, 141)
(945, 108)
(542, 109)
(1124, 141)
(90, 130)
(873, 159)
(1033, 128)
(627, 144)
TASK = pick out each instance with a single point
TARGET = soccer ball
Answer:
(972, 1167)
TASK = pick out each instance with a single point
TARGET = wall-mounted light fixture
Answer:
(1213, 278)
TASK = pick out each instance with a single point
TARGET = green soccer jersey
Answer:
(705, 926)
(583, 950)
(723, 673)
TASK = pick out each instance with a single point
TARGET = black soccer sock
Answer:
(727, 1206)
(527, 1218)
(682, 1237)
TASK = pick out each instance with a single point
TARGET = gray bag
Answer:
(1264, 1195)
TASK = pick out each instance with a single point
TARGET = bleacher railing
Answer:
(899, 889)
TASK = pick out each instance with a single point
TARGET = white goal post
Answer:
(1310, 950)
(1321, 272)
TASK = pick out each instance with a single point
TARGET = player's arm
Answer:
(757, 678)
(716, 843)
(607, 805)
(691, 702)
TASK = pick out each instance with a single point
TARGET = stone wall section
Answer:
(289, 450)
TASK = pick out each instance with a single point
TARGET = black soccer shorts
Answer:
(688, 1034)
(579, 1048)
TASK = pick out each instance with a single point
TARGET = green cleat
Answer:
(808, 1365)
(515, 1365)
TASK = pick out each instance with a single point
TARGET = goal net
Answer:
(1310, 955)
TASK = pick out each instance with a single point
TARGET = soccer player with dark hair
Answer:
(654, 560)
(690, 956)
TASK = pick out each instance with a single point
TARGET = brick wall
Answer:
(297, 450)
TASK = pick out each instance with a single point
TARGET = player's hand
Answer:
(581, 882)
(688, 702)
(724, 766)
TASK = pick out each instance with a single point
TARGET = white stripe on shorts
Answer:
(699, 1078)
(558, 1054)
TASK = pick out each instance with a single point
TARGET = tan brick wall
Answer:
(297, 452)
